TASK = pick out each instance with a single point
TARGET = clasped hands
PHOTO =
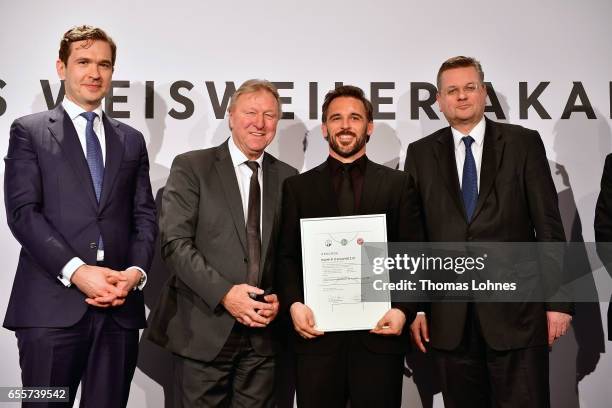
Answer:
(391, 324)
(105, 287)
(238, 301)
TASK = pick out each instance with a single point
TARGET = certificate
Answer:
(332, 270)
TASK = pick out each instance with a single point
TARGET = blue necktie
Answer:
(94, 158)
(469, 182)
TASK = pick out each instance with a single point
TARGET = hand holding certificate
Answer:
(331, 256)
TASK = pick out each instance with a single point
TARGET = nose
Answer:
(345, 123)
(259, 121)
(94, 71)
(462, 94)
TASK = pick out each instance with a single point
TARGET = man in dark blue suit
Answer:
(78, 200)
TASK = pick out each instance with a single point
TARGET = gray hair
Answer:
(256, 85)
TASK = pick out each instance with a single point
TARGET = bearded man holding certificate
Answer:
(364, 367)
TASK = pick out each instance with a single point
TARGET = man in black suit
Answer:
(78, 200)
(362, 367)
(479, 180)
(219, 224)
(603, 226)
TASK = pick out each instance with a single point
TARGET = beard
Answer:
(350, 149)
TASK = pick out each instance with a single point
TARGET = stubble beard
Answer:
(338, 148)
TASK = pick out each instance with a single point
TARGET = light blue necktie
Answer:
(94, 159)
(469, 181)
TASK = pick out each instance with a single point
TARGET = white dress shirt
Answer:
(80, 123)
(478, 135)
(243, 174)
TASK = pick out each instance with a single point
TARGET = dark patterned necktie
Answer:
(469, 182)
(252, 226)
(94, 159)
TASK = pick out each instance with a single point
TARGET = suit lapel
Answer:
(371, 185)
(269, 206)
(447, 164)
(114, 155)
(229, 183)
(63, 131)
(323, 191)
(492, 151)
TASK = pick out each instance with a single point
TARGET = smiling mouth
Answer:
(346, 133)
(345, 138)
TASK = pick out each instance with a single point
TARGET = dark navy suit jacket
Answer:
(53, 212)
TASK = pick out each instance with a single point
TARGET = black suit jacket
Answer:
(603, 226)
(53, 212)
(203, 242)
(310, 195)
(517, 201)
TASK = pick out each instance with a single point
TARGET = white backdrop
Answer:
(397, 43)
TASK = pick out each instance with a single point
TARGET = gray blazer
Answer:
(203, 242)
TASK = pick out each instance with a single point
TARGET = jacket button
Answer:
(245, 260)
(93, 245)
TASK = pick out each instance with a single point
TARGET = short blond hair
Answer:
(256, 85)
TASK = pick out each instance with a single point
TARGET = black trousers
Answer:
(96, 352)
(476, 376)
(354, 374)
(237, 377)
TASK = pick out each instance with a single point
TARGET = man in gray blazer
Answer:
(218, 224)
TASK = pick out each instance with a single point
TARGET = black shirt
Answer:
(357, 171)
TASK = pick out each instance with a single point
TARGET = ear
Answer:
(370, 128)
(440, 102)
(324, 131)
(60, 68)
(230, 119)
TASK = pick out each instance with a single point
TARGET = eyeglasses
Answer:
(467, 89)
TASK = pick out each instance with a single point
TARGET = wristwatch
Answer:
(141, 281)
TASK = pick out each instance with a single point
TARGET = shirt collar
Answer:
(238, 157)
(336, 164)
(74, 111)
(477, 134)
